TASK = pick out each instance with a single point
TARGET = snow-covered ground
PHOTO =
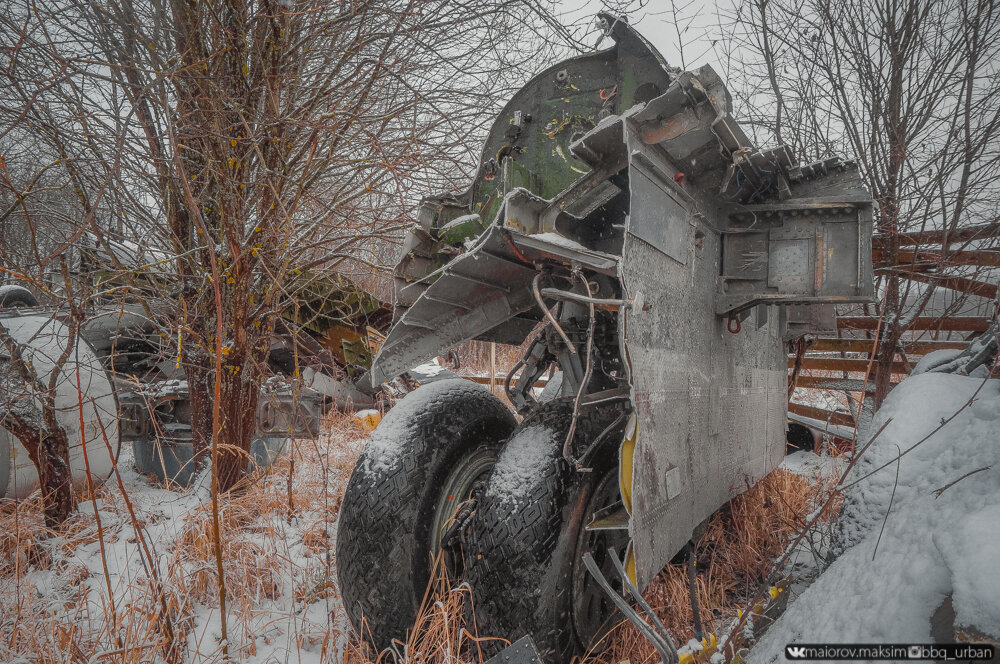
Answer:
(941, 534)
(282, 601)
(814, 466)
(939, 546)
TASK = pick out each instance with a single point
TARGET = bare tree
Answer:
(908, 89)
(256, 146)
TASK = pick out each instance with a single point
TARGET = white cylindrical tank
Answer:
(44, 339)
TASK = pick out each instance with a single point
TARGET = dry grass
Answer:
(279, 572)
(54, 599)
(442, 632)
(734, 558)
(475, 356)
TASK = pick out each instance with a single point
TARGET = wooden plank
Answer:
(970, 286)
(499, 379)
(965, 234)
(842, 364)
(867, 346)
(843, 419)
(949, 324)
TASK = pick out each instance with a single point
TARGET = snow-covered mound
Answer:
(934, 359)
(942, 535)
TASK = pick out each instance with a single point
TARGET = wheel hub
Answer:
(472, 468)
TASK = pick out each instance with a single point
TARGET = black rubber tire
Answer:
(384, 528)
(798, 437)
(17, 296)
(523, 543)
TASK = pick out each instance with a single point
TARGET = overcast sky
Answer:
(658, 21)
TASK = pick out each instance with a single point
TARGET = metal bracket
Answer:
(522, 651)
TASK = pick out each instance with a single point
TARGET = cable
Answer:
(548, 314)
(568, 445)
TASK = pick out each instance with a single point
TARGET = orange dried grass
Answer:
(442, 632)
(22, 536)
(37, 630)
(253, 522)
(734, 554)
(475, 355)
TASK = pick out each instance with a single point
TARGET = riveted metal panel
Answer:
(707, 415)
(657, 216)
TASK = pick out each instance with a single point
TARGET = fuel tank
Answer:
(85, 401)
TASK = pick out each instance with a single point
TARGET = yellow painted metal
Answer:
(630, 563)
(709, 646)
(625, 463)
(625, 456)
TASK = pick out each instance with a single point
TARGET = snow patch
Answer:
(10, 288)
(458, 221)
(427, 370)
(559, 240)
(940, 537)
(388, 442)
(809, 464)
(970, 553)
(522, 463)
(934, 359)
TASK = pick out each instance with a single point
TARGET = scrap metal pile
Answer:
(132, 390)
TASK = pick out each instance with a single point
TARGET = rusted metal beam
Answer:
(965, 234)
(961, 284)
(947, 324)
(867, 345)
(842, 364)
(936, 258)
(917, 267)
(843, 419)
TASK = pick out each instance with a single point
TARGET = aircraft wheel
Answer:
(528, 536)
(419, 465)
(13, 296)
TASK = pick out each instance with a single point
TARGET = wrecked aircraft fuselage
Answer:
(661, 261)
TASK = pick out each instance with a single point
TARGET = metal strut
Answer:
(568, 444)
(656, 633)
(693, 589)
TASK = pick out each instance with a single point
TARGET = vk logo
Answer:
(795, 652)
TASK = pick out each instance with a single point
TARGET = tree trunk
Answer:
(238, 396)
(55, 478)
(50, 454)
(199, 376)
(238, 412)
